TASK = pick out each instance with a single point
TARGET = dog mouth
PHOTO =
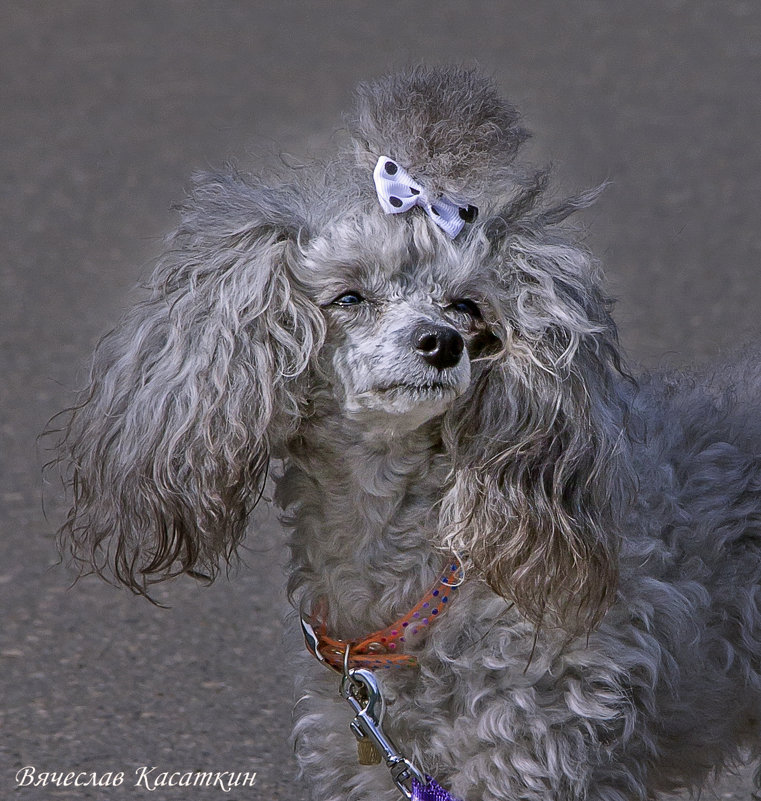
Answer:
(415, 402)
(433, 388)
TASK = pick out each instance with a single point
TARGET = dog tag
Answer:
(367, 753)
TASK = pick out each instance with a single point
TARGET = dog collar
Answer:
(383, 648)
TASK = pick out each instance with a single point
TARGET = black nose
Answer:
(439, 345)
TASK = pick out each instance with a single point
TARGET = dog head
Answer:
(274, 291)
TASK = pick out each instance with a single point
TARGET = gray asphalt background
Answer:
(106, 108)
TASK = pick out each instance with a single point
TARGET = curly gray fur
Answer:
(606, 644)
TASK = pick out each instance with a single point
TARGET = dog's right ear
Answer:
(168, 447)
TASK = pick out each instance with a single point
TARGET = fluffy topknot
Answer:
(447, 126)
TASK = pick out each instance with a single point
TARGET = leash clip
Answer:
(361, 689)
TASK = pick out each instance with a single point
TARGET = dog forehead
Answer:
(378, 253)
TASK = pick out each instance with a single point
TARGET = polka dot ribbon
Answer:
(399, 192)
(384, 648)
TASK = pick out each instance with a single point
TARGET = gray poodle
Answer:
(413, 338)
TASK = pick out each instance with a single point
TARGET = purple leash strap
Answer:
(432, 791)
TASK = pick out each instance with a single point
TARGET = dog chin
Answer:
(402, 406)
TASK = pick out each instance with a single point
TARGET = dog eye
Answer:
(465, 306)
(348, 299)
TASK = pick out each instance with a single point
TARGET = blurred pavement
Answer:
(105, 111)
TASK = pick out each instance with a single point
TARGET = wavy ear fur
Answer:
(539, 450)
(169, 445)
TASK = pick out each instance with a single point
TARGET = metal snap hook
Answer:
(362, 690)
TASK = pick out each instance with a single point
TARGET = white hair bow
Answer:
(398, 192)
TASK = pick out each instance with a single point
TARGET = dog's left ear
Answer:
(169, 446)
(540, 457)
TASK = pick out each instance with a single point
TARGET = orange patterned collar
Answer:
(383, 648)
